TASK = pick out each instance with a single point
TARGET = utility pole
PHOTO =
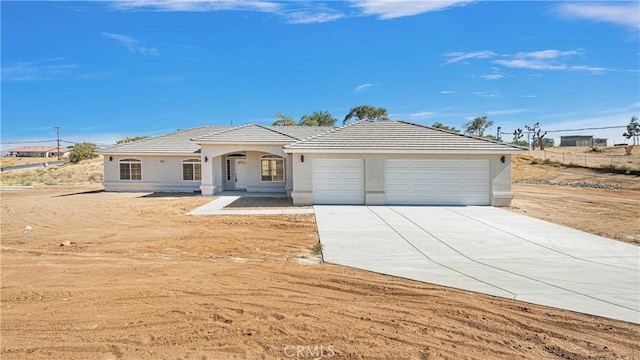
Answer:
(498, 133)
(58, 140)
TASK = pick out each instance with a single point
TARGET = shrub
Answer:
(317, 249)
(547, 161)
(82, 151)
(535, 161)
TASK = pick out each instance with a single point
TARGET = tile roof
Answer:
(255, 133)
(178, 142)
(398, 136)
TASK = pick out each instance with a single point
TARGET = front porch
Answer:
(261, 170)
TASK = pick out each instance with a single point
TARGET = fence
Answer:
(592, 161)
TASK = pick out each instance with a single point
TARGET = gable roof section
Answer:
(301, 132)
(259, 134)
(398, 137)
(178, 143)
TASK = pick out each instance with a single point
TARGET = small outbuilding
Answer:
(582, 140)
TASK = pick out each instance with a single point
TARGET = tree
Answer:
(522, 143)
(131, 139)
(537, 138)
(633, 130)
(284, 120)
(478, 126)
(366, 112)
(82, 151)
(318, 118)
(439, 125)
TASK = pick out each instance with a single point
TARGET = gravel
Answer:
(569, 184)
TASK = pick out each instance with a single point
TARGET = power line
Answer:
(581, 129)
(26, 142)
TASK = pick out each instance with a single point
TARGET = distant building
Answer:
(582, 140)
(37, 151)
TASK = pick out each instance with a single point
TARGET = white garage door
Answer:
(338, 181)
(437, 182)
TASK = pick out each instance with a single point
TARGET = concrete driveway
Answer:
(487, 250)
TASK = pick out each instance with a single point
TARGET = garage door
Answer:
(338, 181)
(437, 182)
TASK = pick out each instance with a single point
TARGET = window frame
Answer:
(272, 168)
(194, 163)
(129, 170)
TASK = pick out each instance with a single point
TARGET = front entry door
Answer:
(241, 174)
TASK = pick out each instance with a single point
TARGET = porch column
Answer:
(207, 186)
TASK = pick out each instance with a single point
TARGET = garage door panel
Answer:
(338, 181)
(437, 182)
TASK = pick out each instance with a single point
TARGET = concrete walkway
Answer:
(488, 250)
(215, 207)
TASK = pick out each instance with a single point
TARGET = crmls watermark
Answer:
(309, 351)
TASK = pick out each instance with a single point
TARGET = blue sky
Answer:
(106, 70)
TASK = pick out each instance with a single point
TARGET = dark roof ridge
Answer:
(335, 129)
(276, 131)
(221, 131)
(464, 135)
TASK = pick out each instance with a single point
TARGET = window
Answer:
(130, 169)
(272, 168)
(191, 169)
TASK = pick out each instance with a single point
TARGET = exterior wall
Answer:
(302, 194)
(577, 141)
(216, 181)
(159, 174)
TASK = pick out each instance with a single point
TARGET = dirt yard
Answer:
(610, 213)
(138, 279)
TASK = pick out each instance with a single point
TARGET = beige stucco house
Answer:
(373, 163)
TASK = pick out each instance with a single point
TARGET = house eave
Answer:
(402, 151)
(235, 143)
(149, 153)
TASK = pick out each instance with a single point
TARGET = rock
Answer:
(27, 229)
(67, 243)
(568, 184)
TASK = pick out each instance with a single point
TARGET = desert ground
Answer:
(136, 278)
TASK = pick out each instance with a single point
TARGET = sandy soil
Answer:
(603, 156)
(141, 280)
(86, 172)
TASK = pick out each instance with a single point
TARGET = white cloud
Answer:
(529, 96)
(362, 87)
(530, 64)
(506, 112)
(488, 94)
(386, 9)
(625, 14)
(303, 17)
(547, 54)
(538, 60)
(196, 6)
(131, 44)
(421, 114)
(49, 69)
(492, 76)
(454, 57)
(447, 92)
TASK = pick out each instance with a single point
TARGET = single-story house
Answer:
(373, 163)
(38, 151)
